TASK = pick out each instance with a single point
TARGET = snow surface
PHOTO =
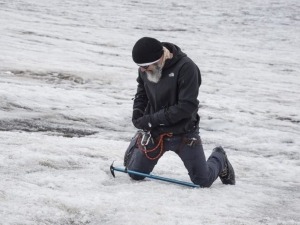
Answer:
(66, 84)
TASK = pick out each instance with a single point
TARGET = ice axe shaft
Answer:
(170, 180)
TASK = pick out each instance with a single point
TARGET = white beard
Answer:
(154, 75)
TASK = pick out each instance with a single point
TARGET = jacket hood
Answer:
(177, 54)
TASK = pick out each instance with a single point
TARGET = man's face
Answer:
(154, 72)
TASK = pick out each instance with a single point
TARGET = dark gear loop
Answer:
(191, 142)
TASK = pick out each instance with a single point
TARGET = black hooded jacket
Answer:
(171, 104)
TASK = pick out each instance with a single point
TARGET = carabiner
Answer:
(146, 138)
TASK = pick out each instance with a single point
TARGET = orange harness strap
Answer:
(160, 145)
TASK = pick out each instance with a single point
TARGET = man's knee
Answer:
(202, 182)
(136, 177)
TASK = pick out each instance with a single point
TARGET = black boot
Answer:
(227, 175)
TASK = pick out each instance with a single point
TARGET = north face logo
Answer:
(171, 75)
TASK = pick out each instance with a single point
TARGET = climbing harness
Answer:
(144, 140)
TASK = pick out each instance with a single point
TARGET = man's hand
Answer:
(137, 113)
(148, 122)
(143, 123)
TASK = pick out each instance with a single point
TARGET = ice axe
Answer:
(170, 180)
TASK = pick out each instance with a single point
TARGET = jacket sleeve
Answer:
(140, 100)
(189, 81)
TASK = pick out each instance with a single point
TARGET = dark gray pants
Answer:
(201, 172)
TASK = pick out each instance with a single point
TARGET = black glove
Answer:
(148, 122)
(137, 113)
(143, 123)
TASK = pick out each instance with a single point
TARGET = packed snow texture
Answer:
(66, 86)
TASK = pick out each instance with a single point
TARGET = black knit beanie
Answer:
(147, 50)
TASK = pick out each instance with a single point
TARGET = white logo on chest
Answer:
(171, 75)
